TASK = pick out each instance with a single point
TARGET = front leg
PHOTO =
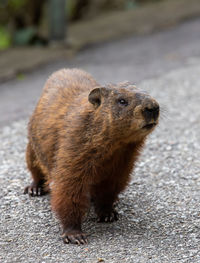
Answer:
(106, 213)
(70, 202)
(104, 196)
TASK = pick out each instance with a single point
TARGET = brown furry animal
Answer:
(84, 140)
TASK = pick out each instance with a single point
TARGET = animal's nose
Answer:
(151, 110)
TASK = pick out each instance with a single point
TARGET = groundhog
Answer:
(83, 141)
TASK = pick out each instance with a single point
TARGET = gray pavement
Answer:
(144, 19)
(160, 210)
(135, 58)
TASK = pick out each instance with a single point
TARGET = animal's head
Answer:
(128, 114)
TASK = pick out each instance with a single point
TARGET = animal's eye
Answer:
(123, 102)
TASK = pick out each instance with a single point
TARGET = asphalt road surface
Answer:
(160, 210)
(133, 59)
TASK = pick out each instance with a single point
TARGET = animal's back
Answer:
(58, 97)
(65, 85)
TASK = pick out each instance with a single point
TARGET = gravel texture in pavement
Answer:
(133, 59)
(159, 211)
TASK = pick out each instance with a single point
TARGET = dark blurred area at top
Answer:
(25, 22)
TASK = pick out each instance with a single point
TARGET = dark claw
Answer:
(34, 190)
(76, 238)
(108, 217)
(65, 240)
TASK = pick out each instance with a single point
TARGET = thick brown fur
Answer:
(84, 140)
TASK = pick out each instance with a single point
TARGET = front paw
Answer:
(108, 217)
(35, 189)
(74, 237)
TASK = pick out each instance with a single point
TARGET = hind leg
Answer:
(36, 188)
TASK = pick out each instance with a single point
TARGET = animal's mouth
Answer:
(149, 126)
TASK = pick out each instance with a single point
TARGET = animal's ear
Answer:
(96, 95)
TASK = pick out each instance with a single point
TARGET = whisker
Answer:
(164, 113)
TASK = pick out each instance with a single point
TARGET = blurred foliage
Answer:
(21, 76)
(20, 20)
(24, 36)
(80, 9)
(5, 38)
(21, 12)
(16, 4)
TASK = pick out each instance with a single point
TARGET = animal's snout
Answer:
(150, 110)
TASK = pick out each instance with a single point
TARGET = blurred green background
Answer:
(26, 22)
